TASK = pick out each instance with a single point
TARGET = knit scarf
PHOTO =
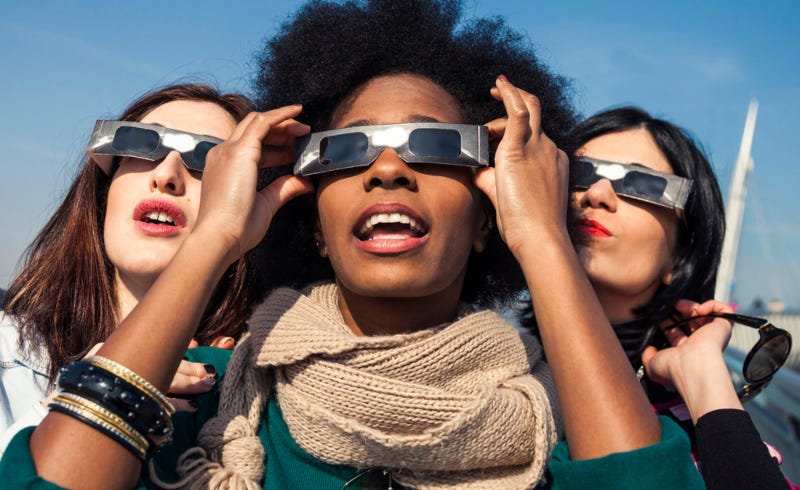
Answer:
(468, 405)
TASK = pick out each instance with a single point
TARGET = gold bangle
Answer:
(128, 437)
(134, 379)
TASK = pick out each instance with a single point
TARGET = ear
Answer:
(485, 225)
(319, 240)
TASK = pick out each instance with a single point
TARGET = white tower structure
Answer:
(734, 211)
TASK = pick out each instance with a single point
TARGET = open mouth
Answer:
(391, 226)
(159, 218)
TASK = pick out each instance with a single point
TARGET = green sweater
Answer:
(664, 465)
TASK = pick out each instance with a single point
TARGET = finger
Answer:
(274, 156)
(534, 109)
(193, 343)
(675, 336)
(485, 181)
(182, 405)
(518, 126)
(647, 355)
(284, 189)
(285, 132)
(239, 129)
(190, 385)
(226, 343)
(263, 122)
(497, 129)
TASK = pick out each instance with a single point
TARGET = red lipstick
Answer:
(158, 217)
(593, 228)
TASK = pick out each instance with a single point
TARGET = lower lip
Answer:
(382, 246)
(157, 229)
(593, 231)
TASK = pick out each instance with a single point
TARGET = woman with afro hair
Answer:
(383, 364)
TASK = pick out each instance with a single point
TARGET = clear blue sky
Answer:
(65, 64)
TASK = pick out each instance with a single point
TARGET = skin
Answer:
(139, 257)
(628, 267)
(378, 287)
(528, 187)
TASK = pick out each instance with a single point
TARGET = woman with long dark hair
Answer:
(119, 225)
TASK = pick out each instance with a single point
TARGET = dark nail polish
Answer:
(194, 404)
(211, 370)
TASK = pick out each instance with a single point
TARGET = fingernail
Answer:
(502, 78)
(194, 404)
(210, 381)
(210, 370)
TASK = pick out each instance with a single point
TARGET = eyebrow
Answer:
(414, 118)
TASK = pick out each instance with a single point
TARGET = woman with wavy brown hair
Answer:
(119, 225)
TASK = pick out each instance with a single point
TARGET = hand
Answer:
(528, 184)
(192, 378)
(710, 339)
(231, 209)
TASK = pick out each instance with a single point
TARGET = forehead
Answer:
(630, 146)
(193, 116)
(398, 99)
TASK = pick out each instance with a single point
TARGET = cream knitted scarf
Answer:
(469, 405)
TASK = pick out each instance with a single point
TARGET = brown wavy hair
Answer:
(64, 299)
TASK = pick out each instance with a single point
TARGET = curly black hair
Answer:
(328, 50)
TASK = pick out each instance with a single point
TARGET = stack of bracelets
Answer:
(116, 401)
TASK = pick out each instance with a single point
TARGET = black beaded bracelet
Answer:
(120, 397)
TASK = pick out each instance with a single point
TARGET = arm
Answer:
(730, 450)
(593, 378)
(151, 340)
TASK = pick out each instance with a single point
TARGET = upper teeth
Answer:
(159, 216)
(388, 218)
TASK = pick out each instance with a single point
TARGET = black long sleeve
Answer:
(732, 454)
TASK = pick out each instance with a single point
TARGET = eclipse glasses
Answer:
(633, 181)
(765, 357)
(359, 146)
(147, 141)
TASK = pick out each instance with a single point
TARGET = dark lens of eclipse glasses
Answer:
(343, 149)
(139, 140)
(198, 156)
(583, 174)
(642, 184)
(435, 143)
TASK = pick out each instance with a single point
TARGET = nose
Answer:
(169, 175)
(599, 195)
(389, 171)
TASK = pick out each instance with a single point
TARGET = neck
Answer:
(130, 291)
(389, 316)
(619, 305)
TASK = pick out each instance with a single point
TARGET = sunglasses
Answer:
(147, 141)
(765, 357)
(359, 146)
(634, 181)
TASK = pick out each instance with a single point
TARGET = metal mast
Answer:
(735, 208)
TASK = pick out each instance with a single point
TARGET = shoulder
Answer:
(10, 353)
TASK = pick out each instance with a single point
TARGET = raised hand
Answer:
(528, 184)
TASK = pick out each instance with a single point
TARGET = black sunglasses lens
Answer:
(582, 174)
(435, 143)
(137, 140)
(768, 358)
(198, 160)
(343, 149)
(641, 184)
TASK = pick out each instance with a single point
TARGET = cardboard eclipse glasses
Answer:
(147, 141)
